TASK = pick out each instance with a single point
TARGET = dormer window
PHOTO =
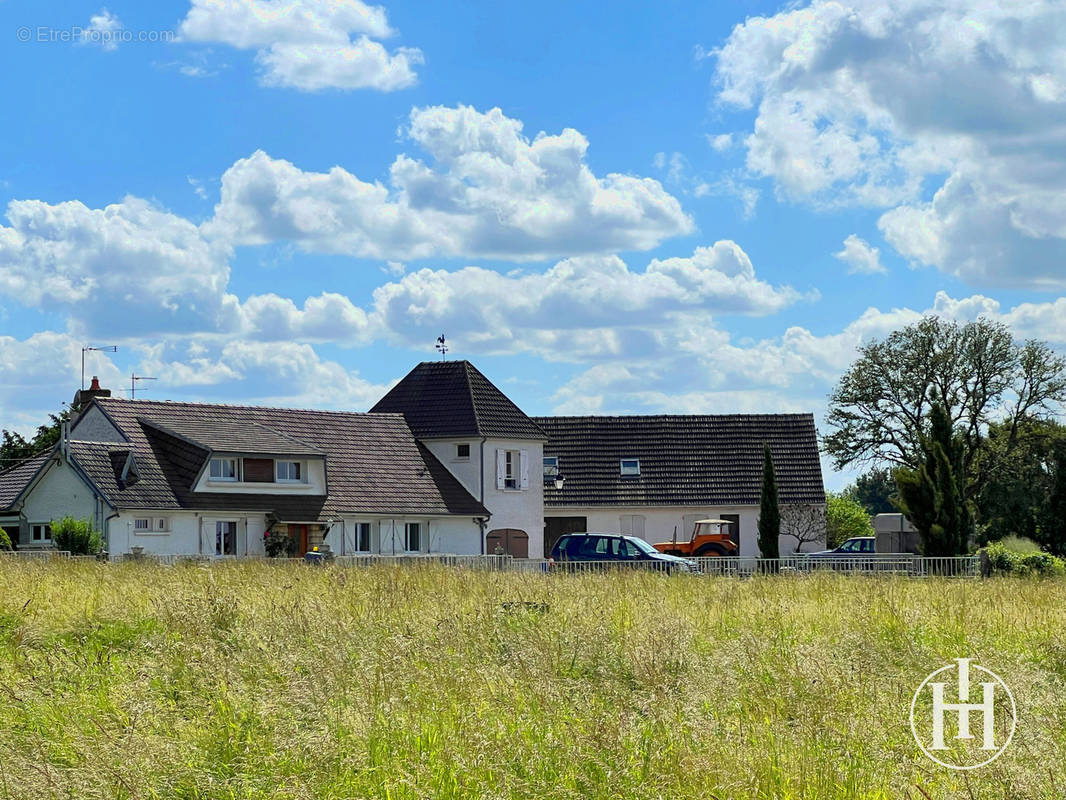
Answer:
(289, 471)
(551, 466)
(630, 467)
(225, 469)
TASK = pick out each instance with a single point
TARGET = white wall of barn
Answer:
(660, 523)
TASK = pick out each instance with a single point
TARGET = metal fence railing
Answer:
(873, 564)
(35, 555)
(739, 567)
(494, 563)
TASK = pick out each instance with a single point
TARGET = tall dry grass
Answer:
(255, 680)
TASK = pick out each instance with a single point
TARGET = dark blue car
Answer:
(591, 550)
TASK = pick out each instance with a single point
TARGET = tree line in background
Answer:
(965, 419)
(14, 447)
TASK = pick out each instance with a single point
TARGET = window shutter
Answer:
(524, 458)
(501, 467)
(638, 526)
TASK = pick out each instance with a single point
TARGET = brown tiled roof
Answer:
(373, 463)
(223, 435)
(444, 399)
(14, 479)
(699, 460)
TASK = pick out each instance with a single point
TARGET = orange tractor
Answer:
(710, 537)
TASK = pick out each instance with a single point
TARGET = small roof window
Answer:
(629, 467)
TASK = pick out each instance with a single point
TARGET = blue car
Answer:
(852, 548)
(579, 551)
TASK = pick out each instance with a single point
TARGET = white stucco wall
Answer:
(189, 533)
(314, 482)
(468, 471)
(659, 523)
(59, 492)
(453, 535)
(509, 508)
(517, 508)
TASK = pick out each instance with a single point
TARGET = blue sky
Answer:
(610, 208)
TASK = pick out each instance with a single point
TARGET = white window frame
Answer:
(236, 462)
(45, 530)
(220, 537)
(552, 469)
(510, 469)
(629, 472)
(151, 525)
(407, 537)
(289, 463)
(458, 455)
(356, 531)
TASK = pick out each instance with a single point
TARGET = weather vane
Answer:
(442, 348)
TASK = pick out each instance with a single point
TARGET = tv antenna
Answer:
(106, 349)
(442, 348)
(133, 384)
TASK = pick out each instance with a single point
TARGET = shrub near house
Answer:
(76, 536)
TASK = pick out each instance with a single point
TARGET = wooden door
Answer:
(298, 533)
(511, 541)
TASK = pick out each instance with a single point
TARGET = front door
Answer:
(554, 527)
(298, 533)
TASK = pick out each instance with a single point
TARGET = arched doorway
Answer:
(513, 541)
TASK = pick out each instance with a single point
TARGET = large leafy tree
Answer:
(933, 495)
(1018, 499)
(15, 448)
(874, 491)
(976, 372)
(1027, 495)
(1053, 532)
(845, 517)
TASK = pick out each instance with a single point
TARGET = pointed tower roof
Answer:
(448, 399)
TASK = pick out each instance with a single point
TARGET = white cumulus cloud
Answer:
(130, 266)
(863, 102)
(491, 192)
(308, 44)
(860, 256)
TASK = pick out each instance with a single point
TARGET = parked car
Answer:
(855, 546)
(595, 550)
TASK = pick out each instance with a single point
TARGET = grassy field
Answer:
(253, 680)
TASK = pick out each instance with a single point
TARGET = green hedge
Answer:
(1004, 561)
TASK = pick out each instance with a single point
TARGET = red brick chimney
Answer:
(82, 397)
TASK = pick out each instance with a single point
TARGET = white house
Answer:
(654, 476)
(485, 441)
(199, 479)
(444, 463)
